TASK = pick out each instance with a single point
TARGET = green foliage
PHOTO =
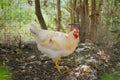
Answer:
(49, 11)
(111, 11)
(17, 13)
(14, 15)
(5, 73)
(107, 76)
(15, 10)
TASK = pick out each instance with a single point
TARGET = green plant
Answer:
(5, 74)
(107, 76)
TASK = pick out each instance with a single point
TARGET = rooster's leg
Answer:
(57, 65)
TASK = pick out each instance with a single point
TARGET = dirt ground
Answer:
(27, 63)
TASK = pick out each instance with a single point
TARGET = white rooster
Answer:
(55, 44)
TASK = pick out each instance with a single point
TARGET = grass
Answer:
(107, 76)
(5, 73)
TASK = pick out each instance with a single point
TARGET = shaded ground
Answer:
(87, 63)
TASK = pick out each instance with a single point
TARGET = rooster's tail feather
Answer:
(34, 30)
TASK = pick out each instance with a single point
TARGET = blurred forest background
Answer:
(98, 21)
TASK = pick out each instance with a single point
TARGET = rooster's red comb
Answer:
(77, 29)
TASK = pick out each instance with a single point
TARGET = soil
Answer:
(27, 63)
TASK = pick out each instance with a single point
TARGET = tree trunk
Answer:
(39, 14)
(99, 9)
(94, 18)
(84, 19)
(72, 12)
(58, 15)
(87, 21)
